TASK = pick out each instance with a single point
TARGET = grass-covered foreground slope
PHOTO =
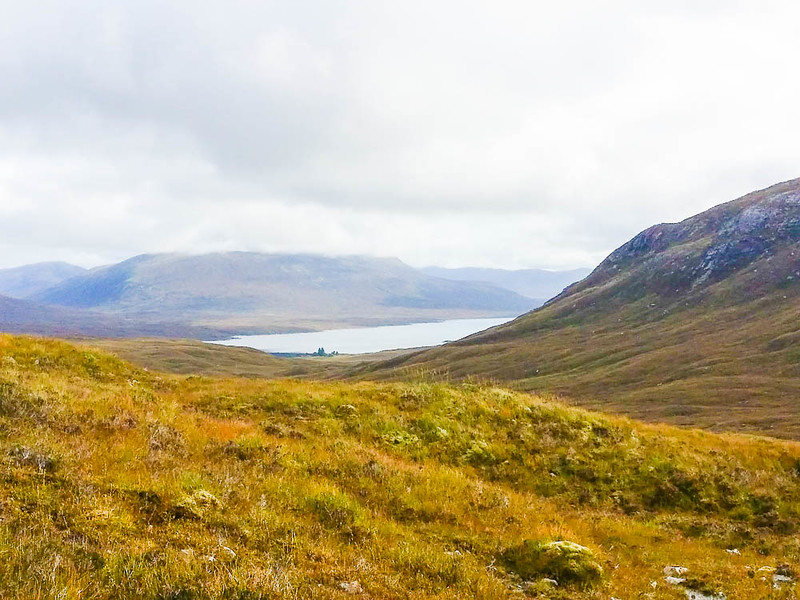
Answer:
(120, 483)
(191, 357)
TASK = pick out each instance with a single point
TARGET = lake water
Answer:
(366, 339)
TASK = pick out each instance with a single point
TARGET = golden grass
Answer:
(121, 483)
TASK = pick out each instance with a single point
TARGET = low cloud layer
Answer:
(512, 134)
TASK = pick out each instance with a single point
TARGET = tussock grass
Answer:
(120, 483)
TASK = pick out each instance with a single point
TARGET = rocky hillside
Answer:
(119, 483)
(685, 261)
(255, 293)
(692, 322)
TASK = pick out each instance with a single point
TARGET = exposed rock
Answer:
(673, 258)
(783, 574)
(351, 587)
(540, 587)
(674, 575)
(695, 595)
(22, 455)
(784, 570)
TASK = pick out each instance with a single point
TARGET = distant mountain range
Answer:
(247, 292)
(21, 282)
(694, 322)
(26, 316)
(538, 284)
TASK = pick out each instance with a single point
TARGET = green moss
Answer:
(566, 562)
(197, 505)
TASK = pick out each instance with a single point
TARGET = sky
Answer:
(503, 133)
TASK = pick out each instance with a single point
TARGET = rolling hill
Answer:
(692, 323)
(120, 483)
(258, 293)
(21, 282)
(538, 284)
(25, 316)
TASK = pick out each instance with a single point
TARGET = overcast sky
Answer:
(497, 133)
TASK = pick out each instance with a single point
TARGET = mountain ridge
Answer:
(692, 322)
(263, 293)
(25, 316)
(21, 282)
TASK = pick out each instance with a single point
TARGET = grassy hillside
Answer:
(692, 323)
(121, 483)
(190, 357)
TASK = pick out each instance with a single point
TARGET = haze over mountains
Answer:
(538, 284)
(26, 316)
(242, 292)
(21, 282)
(693, 322)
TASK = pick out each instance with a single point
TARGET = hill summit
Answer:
(673, 260)
(692, 322)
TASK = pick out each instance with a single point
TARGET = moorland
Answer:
(124, 483)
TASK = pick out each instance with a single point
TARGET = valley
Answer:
(336, 300)
(470, 469)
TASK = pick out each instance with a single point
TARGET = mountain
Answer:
(692, 322)
(537, 284)
(128, 484)
(25, 316)
(21, 282)
(256, 293)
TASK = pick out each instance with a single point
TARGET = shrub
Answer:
(400, 439)
(480, 454)
(196, 505)
(337, 512)
(566, 562)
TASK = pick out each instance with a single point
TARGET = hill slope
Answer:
(537, 284)
(119, 483)
(692, 322)
(261, 293)
(20, 282)
(25, 316)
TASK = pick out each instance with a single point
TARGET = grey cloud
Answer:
(331, 126)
